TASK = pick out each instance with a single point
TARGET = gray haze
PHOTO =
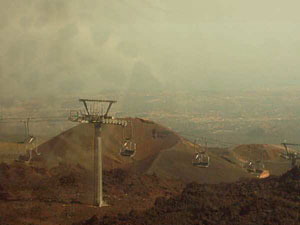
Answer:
(73, 46)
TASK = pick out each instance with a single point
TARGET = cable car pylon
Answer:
(98, 118)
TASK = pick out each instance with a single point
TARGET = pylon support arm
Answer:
(109, 106)
(86, 108)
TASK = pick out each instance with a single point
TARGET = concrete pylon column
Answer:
(98, 196)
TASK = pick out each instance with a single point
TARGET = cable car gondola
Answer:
(257, 168)
(128, 148)
(30, 142)
(201, 158)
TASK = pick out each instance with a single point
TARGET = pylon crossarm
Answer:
(97, 119)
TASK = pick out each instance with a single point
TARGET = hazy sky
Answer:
(73, 46)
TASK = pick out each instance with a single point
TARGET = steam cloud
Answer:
(53, 46)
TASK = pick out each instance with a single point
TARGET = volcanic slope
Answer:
(274, 200)
(76, 144)
(159, 150)
(269, 154)
(176, 163)
(10, 151)
(258, 152)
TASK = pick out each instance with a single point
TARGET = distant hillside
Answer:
(76, 145)
(166, 154)
(258, 152)
(269, 154)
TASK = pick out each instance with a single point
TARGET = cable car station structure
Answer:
(94, 116)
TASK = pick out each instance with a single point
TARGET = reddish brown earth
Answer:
(275, 200)
(76, 145)
(258, 152)
(269, 154)
(176, 163)
(165, 153)
(35, 195)
(57, 187)
(10, 151)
